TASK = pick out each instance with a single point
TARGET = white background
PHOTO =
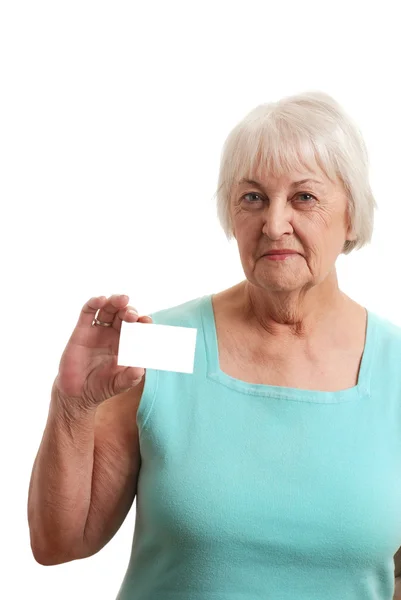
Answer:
(112, 120)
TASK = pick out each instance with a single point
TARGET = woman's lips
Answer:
(280, 256)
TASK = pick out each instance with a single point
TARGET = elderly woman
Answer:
(273, 470)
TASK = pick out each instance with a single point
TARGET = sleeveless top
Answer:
(251, 491)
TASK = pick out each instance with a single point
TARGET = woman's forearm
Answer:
(60, 487)
(397, 589)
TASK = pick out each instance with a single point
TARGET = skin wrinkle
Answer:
(284, 304)
(292, 300)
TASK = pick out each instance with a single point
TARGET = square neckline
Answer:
(214, 372)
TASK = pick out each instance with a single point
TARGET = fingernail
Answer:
(131, 311)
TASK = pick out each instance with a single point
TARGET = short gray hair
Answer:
(294, 132)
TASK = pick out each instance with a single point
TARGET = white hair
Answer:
(293, 133)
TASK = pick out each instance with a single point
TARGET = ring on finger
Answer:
(102, 323)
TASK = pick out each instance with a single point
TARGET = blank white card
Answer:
(153, 346)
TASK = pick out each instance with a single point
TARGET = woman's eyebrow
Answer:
(294, 183)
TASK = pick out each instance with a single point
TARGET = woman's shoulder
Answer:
(386, 329)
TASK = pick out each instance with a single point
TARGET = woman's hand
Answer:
(88, 370)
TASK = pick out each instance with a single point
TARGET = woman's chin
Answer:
(291, 283)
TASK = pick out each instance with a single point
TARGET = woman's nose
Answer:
(276, 220)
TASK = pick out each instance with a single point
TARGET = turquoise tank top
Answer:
(251, 491)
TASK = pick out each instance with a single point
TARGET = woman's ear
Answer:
(351, 235)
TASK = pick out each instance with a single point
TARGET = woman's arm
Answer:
(397, 589)
(84, 478)
(397, 575)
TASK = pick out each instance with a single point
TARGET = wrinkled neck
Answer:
(294, 316)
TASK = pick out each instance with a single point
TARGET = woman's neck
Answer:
(295, 317)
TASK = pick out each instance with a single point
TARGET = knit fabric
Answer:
(250, 491)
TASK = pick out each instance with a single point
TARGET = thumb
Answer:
(128, 378)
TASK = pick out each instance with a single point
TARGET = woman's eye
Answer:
(251, 194)
(301, 194)
(306, 194)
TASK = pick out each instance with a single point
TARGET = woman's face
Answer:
(309, 217)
